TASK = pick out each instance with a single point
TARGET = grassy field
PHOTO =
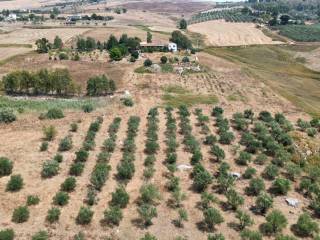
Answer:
(301, 33)
(176, 96)
(278, 68)
(42, 105)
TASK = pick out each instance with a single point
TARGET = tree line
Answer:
(56, 82)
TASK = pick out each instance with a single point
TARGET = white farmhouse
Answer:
(173, 47)
(11, 17)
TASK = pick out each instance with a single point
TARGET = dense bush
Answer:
(234, 199)
(256, 185)
(76, 169)
(217, 236)
(276, 221)
(261, 159)
(270, 172)
(212, 217)
(126, 170)
(54, 113)
(73, 127)
(5, 166)
(217, 152)
(20, 214)
(248, 174)
(147, 212)
(68, 185)
(44, 146)
(61, 199)
(7, 115)
(120, 197)
(201, 178)
(305, 226)
(226, 137)
(87, 108)
(84, 216)
(99, 175)
(15, 183)
(65, 144)
(53, 215)
(244, 158)
(82, 155)
(280, 186)
(244, 219)
(263, 202)
(149, 193)
(49, 169)
(32, 200)
(41, 235)
(49, 133)
(113, 215)
(250, 235)
(7, 234)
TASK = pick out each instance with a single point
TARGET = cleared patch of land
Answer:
(221, 33)
(9, 52)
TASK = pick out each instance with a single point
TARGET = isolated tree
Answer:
(183, 24)
(57, 43)
(115, 54)
(181, 40)
(43, 45)
(149, 37)
(284, 19)
(112, 42)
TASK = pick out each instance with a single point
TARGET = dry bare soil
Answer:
(221, 33)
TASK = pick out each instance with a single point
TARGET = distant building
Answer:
(11, 17)
(173, 47)
(159, 45)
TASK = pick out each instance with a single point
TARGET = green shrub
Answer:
(54, 113)
(84, 216)
(113, 215)
(7, 234)
(147, 63)
(150, 160)
(183, 216)
(126, 170)
(217, 152)
(149, 193)
(293, 171)
(210, 140)
(41, 235)
(148, 236)
(234, 199)
(65, 144)
(49, 133)
(250, 235)
(226, 137)
(49, 169)
(73, 127)
(207, 199)
(58, 157)
(276, 221)
(147, 212)
(201, 178)
(32, 200)
(120, 197)
(76, 169)
(212, 217)
(88, 108)
(20, 214)
(164, 59)
(68, 185)
(280, 186)
(261, 159)
(128, 102)
(79, 236)
(82, 155)
(5, 166)
(99, 175)
(7, 116)
(61, 199)
(312, 132)
(53, 215)
(256, 185)
(305, 226)
(44, 146)
(244, 158)
(217, 236)
(270, 172)
(285, 237)
(15, 183)
(263, 202)
(248, 174)
(244, 219)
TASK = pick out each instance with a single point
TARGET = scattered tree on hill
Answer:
(43, 45)
(183, 24)
(181, 40)
(149, 37)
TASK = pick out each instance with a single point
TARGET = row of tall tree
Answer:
(44, 45)
(54, 82)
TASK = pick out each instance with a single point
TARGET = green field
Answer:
(277, 67)
(301, 33)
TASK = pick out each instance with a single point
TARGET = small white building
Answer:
(11, 17)
(173, 47)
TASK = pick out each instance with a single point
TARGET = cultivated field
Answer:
(7, 52)
(221, 33)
